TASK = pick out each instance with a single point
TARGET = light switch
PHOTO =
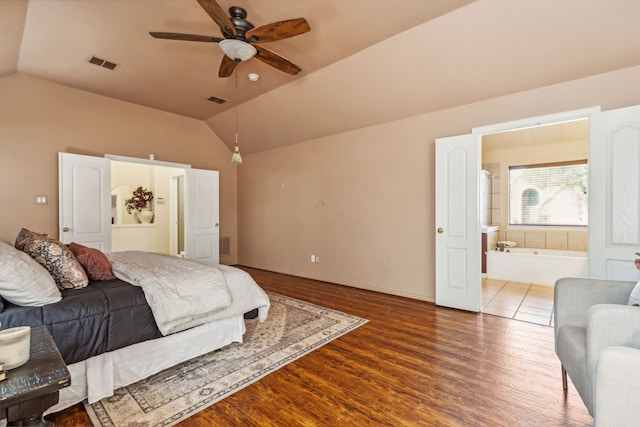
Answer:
(42, 200)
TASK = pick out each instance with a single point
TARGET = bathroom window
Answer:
(550, 194)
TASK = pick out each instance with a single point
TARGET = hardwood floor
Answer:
(413, 364)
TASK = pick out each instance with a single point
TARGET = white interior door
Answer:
(614, 187)
(458, 249)
(85, 200)
(203, 215)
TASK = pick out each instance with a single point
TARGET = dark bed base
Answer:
(104, 316)
(251, 314)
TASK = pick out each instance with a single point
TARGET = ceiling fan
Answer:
(240, 38)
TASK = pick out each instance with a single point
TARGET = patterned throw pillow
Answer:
(55, 257)
(25, 236)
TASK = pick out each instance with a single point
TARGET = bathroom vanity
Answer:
(489, 242)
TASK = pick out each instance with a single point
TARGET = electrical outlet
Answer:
(317, 259)
(313, 258)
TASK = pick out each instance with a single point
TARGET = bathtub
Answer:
(537, 266)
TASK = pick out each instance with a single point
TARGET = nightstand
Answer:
(32, 388)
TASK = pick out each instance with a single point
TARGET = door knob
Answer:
(215, 225)
(440, 230)
(65, 229)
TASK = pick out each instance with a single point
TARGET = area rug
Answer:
(292, 329)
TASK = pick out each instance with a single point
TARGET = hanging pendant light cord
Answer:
(237, 102)
(236, 158)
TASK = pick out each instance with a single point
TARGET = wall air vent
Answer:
(103, 63)
(216, 100)
(225, 246)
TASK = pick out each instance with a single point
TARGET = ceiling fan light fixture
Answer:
(237, 49)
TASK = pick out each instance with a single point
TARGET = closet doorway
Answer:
(165, 232)
(87, 217)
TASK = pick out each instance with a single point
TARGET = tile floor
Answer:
(516, 300)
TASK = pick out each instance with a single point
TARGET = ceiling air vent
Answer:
(103, 63)
(216, 100)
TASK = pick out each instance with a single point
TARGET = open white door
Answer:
(458, 257)
(85, 200)
(614, 193)
(203, 215)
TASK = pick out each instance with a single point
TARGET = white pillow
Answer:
(23, 281)
(634, 298)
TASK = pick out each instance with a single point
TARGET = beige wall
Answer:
(38, 119)
(363, 201)
(12, 20)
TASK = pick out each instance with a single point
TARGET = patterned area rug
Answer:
(293, 328)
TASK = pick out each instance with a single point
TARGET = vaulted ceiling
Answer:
(363, 62)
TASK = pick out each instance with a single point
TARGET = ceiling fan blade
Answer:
(276, 61)
(219, 16)
(227, 66)
(185, 37)
(278, 30)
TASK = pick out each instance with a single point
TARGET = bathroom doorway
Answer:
(515, 292)
(458, 252)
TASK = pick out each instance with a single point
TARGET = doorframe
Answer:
(530, 122)
(548, 119)
(149, 161)
(174, 217)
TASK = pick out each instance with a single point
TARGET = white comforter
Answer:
(183, 293)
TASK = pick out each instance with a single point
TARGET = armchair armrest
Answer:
(573, 296)
(609, 325)
(616, 387)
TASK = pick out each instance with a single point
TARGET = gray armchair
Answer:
(591, 315)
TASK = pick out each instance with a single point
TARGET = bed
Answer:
(108, 330)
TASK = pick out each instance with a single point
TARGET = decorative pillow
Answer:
(634, 298)
(25, 236)
(23, 281)
(95, 263)
(55, 257)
